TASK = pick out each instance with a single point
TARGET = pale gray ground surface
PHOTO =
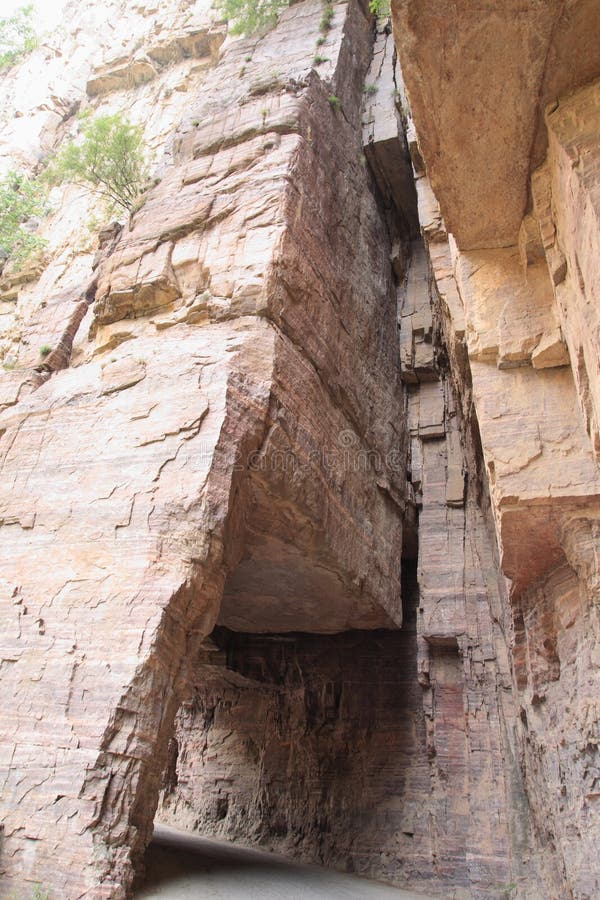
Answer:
(184, 866)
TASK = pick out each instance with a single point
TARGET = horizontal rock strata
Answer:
(511, 247)
(236, 325)
(300, 513)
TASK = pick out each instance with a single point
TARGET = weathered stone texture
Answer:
(311, 745)
(460, 820)
(572, 167)
(463, 662)
(479, 78)
(236, 320)
(384, 137)
(268, 395)
(40, 98)
(518, 299)
(273, 747)
(101, 597)
(558, 673)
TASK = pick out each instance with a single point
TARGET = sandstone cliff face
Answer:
(301, 531)
(424, 789)
(512, 249)
(208, 440)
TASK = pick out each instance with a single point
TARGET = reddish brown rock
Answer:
(154, 475)
(300, 519)
(479, 79)
(530, 394)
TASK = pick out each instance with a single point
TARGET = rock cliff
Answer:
(505, 141)
(300, 516)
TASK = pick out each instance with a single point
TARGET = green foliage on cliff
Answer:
(108, 158)
(380, 7)
(17, 37)
(40, 893)
(247, 16)
(21, 200)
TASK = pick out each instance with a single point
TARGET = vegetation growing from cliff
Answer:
(17, 37)
(247, 16)
(107, 158)
(21, 200)
(380, 7)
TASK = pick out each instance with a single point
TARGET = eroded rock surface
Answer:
(238, 322)
(511, 245)
(444, 807)
(479, 79)
(300, 513)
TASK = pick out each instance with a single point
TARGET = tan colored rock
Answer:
(528, 422)
(197, 43)
(574, 150)
(506, 312)
(496, 84)
(231, 445)
(431, 411)
(139, 287)
(383, 135)
(144, 482)
(551, 351)
(53, 78)
(530, 242)
(416, 320)
(530, 399)
(120, 75)
(429, 212)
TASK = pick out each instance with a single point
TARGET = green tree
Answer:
(17, 37)
(247, 16)
(21, 199)
(108, 158)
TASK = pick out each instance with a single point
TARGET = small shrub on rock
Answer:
(247, 16)
(108, 158)
(17, 37)
(22, 199)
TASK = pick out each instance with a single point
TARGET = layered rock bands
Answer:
(300, 518)
(227, 445)
(505, 143)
